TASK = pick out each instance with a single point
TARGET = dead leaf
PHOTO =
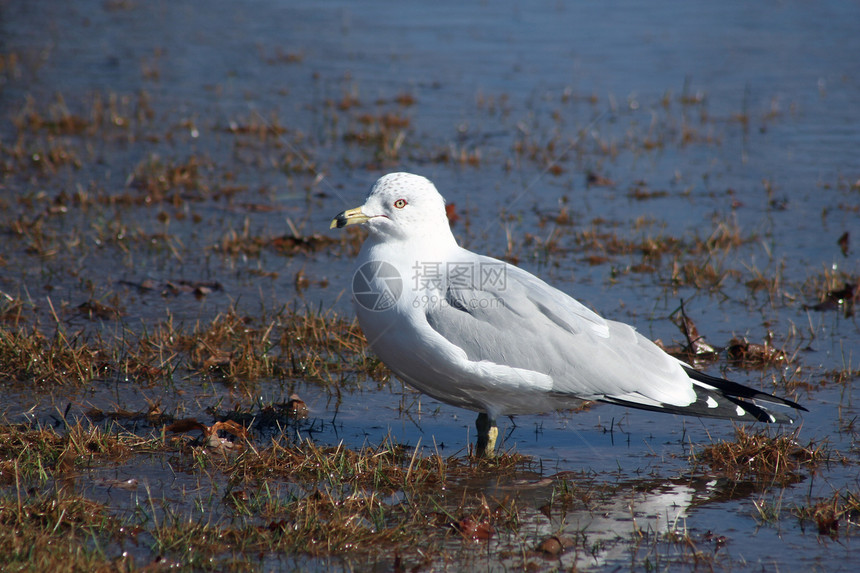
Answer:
(836, 299)
(473, 529)
(94, 309)
(451, 213)
(185, 425)
(555, 544)
(297, 408)
(210, 437)
(213, 440)
(593, 179)
(228, 426)
(844, 243)
(751, 354)
(696, 344)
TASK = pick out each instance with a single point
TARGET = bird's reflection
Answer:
(606, 524)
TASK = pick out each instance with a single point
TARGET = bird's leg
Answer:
(488, 433)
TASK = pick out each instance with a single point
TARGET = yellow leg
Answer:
(488, 433)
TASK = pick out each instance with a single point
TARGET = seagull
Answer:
(479, 333)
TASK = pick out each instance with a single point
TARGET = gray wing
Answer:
(523, 322)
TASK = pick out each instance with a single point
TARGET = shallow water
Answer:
(700, 115)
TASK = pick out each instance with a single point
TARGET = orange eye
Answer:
(400, 203)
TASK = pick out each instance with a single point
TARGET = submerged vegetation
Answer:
(288, 344)
(253, 500)
(255, 490)
(757, 456)
(389, 503)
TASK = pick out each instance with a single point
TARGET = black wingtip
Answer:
(729, 388)
(720, 398)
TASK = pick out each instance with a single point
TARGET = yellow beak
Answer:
(350, 217)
